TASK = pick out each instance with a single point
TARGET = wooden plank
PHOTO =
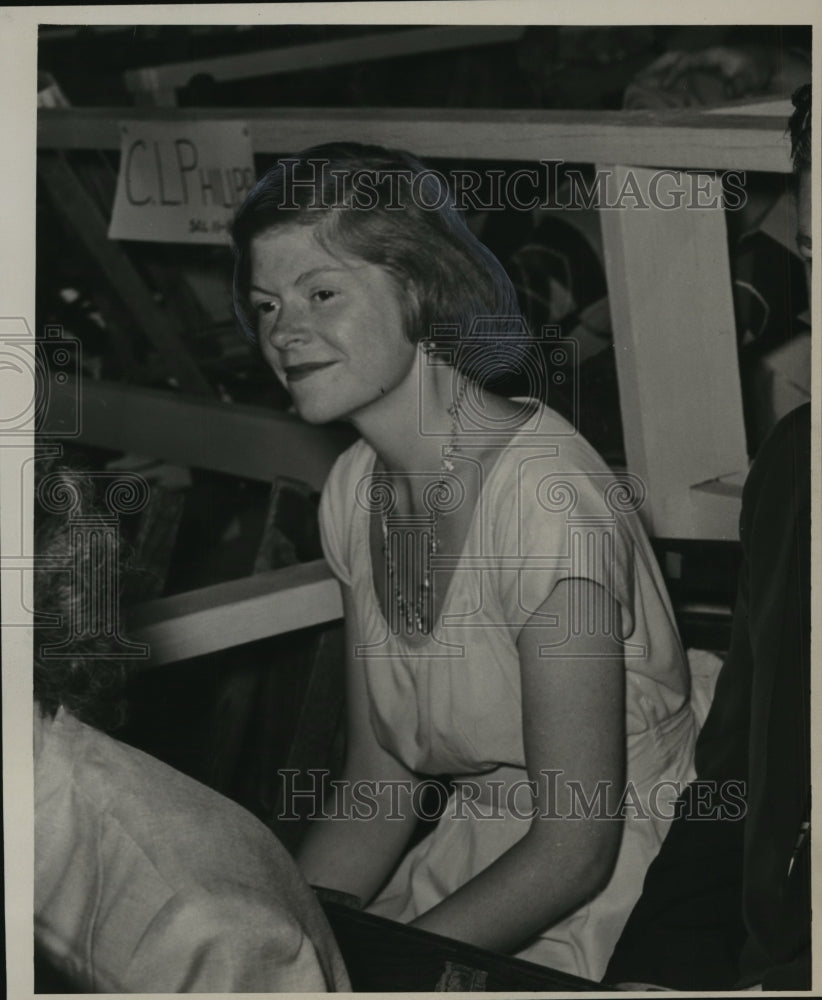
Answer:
(79, 210)
(202, 433)
(319, 55)
(684, 139)
(225, 615)
(675, 338)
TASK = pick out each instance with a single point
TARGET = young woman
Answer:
(507, 625)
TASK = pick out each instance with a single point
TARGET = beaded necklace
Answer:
(419, 613)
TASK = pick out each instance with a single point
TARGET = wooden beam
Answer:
(80, 212)
(681, 139)
(669, 290)
(188, 430)
(319, 55)
(229, 614)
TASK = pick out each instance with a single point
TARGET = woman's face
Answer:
(330, 326)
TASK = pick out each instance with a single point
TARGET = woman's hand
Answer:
(573, 706)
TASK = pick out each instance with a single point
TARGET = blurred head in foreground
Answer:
(84, 675)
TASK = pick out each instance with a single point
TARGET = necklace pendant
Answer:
(416, 609)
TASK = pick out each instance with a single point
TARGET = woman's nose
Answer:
(291, 327)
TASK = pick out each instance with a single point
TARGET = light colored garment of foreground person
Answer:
(145, 881)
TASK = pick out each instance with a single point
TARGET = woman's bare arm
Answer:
(573, 706)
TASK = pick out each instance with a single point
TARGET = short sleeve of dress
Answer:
(336, 510)
(555, 521)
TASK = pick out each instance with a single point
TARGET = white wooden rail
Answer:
(686, 140)
(229, 614)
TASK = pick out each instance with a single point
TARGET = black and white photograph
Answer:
(406, 487)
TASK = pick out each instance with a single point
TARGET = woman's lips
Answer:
(296, 373)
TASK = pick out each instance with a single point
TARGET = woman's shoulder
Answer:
(548, 478)
(544, 443)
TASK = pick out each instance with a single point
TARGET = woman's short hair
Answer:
(384, 207)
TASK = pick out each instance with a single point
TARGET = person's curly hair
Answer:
(799, 126)
(84, 675)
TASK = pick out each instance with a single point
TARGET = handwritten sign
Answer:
(181, 181)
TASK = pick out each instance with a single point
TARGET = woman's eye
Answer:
(324, 294)
(265, 308)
